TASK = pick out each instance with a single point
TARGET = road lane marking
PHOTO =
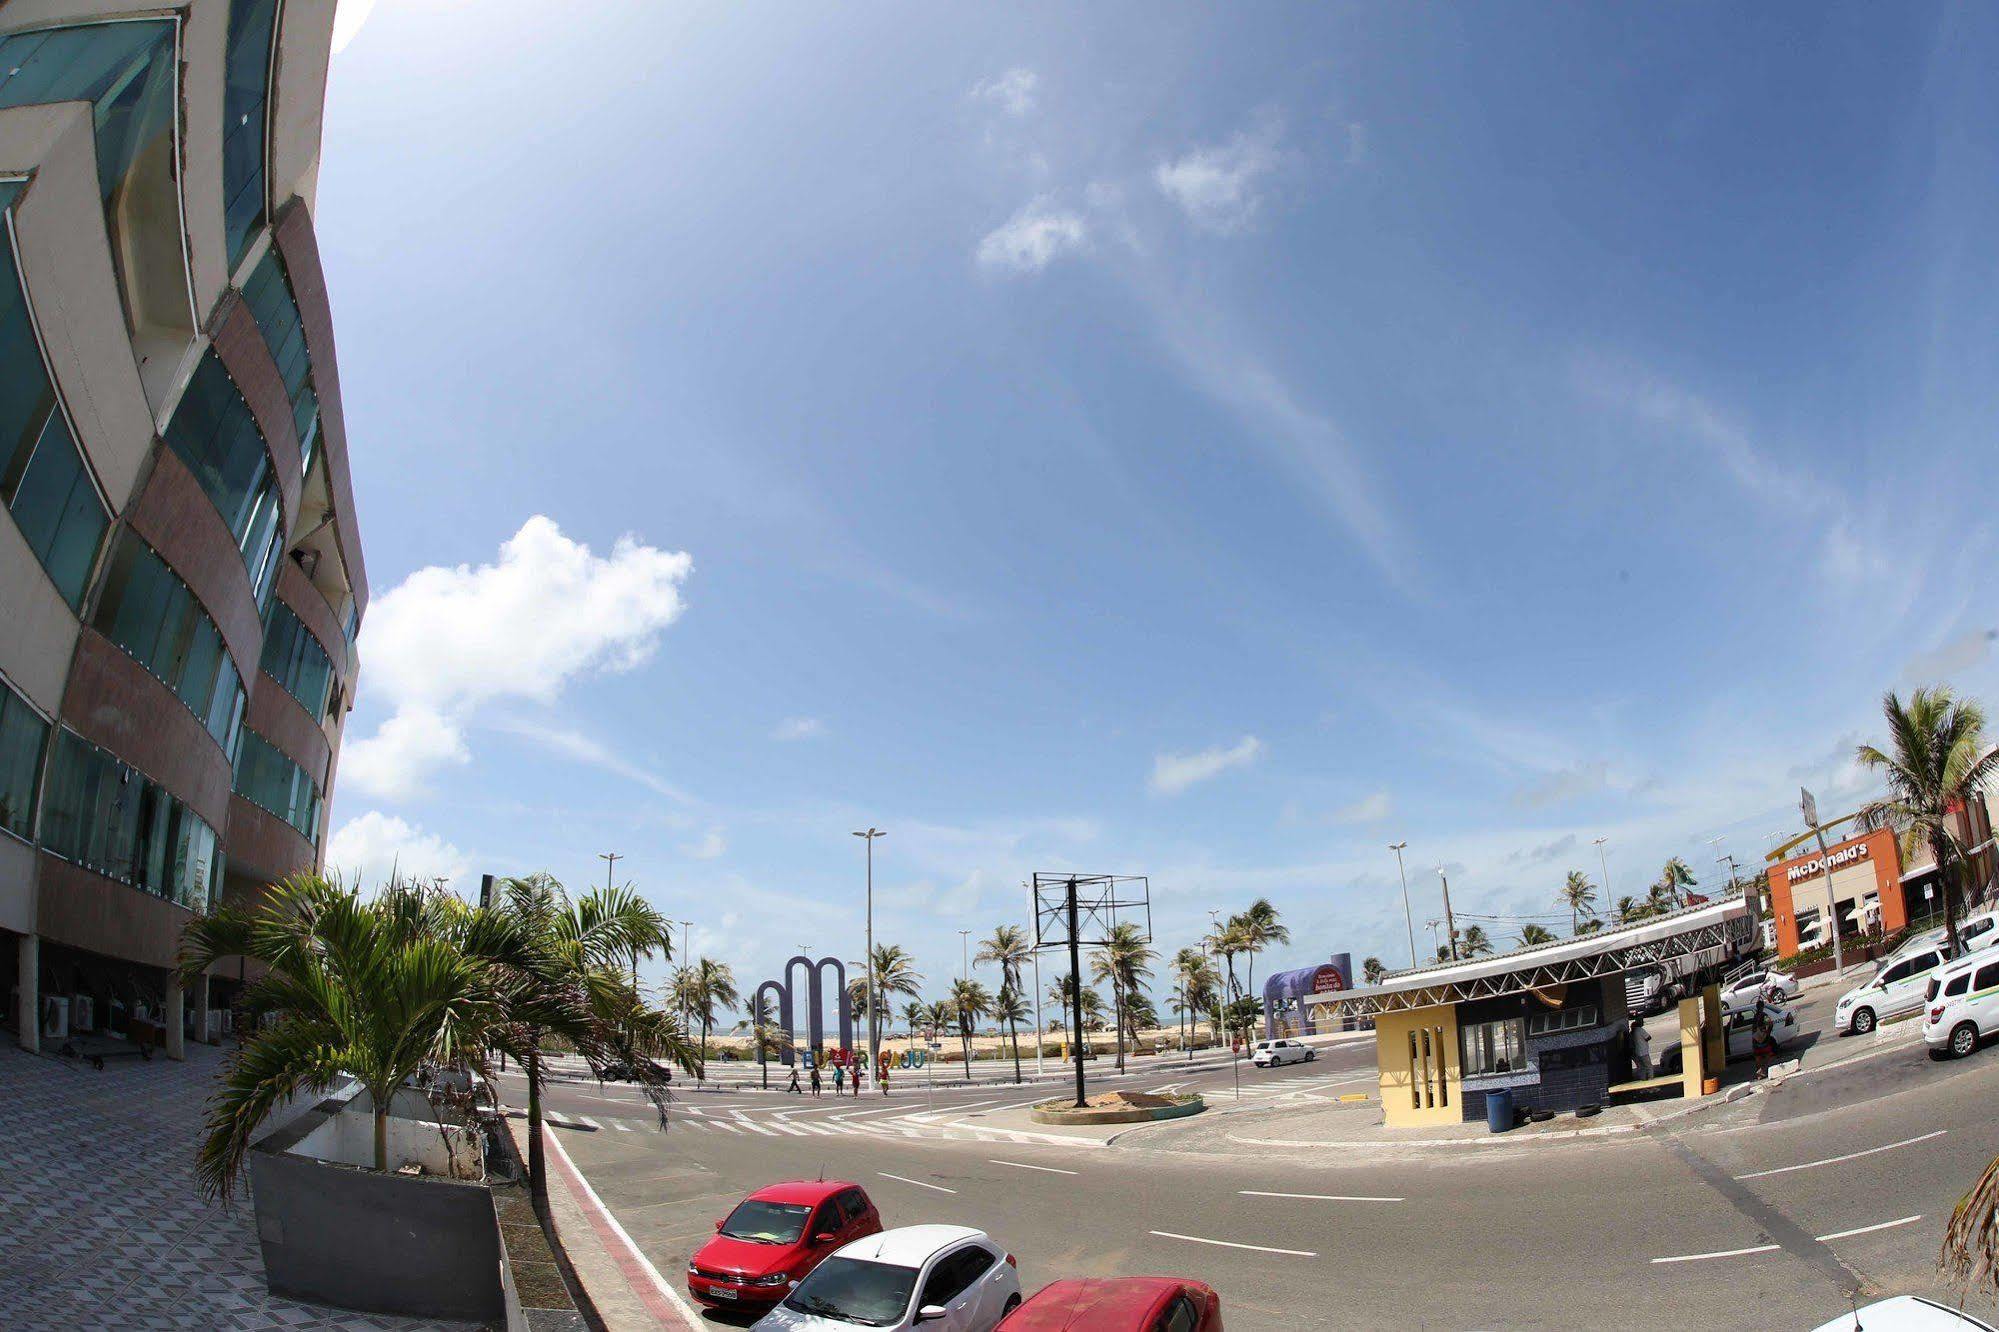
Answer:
(1230, 1244)
(1718, 1253)
(1864, 1230)
(621, 1126)
(662, 1301)
(730, 1127)
(587, 1121)
(917, 1182)
(1850, 1156)
(1315, 1197)
(1022, 1165)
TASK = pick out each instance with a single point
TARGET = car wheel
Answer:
(1012, 1303)
(1863, 1022)
(1310, 1055)
(1963, 1039)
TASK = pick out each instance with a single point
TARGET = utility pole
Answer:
(1604, 860)
(1809, 807)
(1215, 956)
(1075, 1005)
(1398, 848)
(874, 1042)
(1450, 922)
(1034, 911)
(611, 859)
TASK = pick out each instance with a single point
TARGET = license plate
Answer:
(722, 1292)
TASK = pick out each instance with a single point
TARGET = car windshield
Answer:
(767, 1222)
(855, 1291)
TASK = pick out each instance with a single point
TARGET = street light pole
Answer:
(1215, 955)
(1604, 860)
(868, 994)
(965, 951)
(1034, 910)
(1398, 848)
(1450, 922)
(611, 859)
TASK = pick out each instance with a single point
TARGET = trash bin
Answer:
(1499, 1109)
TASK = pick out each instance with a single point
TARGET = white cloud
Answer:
(368, 849)
(347, 21)
(798, 728)
(1217, 187)
(710, 847)
(1372, 808)
(576, 745)
(447, 640)
(409, 746)
(1012, 92)
(1174, 773)
(1033, 238)
(1954, 658)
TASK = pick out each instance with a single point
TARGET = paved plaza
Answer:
(105, 1227)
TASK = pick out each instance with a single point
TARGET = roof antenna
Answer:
(822, 1172)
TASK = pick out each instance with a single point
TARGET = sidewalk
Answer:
(628, 1292)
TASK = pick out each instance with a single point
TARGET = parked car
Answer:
(1905, 1313)
(1895, 988)
(1759, 983)
(774, 1237)
(1120, 1304)
(946, 1278)
(619, 1071)
(1742, 1033)
(1962, 1004)
(1269, 1054)
(1978, 932)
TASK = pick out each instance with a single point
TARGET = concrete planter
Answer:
(335, 1231)
(1054, 1112)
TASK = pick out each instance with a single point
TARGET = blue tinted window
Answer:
(23, 734)
(146, 609)
(42, 479)
(268, 293)
(107, 816)
(216, 436)
(295, 659)
(126, 70)
(247, 79)
(268, 779)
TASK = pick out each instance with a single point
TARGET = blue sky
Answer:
(1206, 443)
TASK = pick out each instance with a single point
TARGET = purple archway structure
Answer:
(1284, 993)
(814, 1004)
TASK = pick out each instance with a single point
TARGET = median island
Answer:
(1120, 1107)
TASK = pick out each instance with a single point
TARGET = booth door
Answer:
(1420, 1078)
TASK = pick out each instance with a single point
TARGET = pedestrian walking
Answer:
(1764, 1043)
(794, 1087)
(815, 1079)
(860, 1075)
(883, 1079)
(839, 1078)
(1641, 1051)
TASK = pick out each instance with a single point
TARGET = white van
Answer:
(1896, 988)
(1962, 1004)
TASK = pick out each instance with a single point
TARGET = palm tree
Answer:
(713, 987)
(940, 1016)
(1670, 892)
(895, 975)
(1124, 961)
(1009, 949)
(1194, 973)
(378, 989)
(1260, 929)
(1630, 909)
(1475, 944)
(969, 1002)
(915, 1014)
(1010, 1008)
(1940, 758)
(1372, 971)
(1579, 895)
(762, 1014)
(1090, 1005)
(1230, 939)
(1535, 934)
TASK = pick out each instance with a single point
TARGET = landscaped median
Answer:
(1120, 1107)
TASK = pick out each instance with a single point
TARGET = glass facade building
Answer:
(216, 436)
(294, 658)
(107, 816)
(268, 779)
(146, 609)
(23, 736)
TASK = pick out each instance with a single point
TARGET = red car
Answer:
(774, 1237)
(1119, 1304)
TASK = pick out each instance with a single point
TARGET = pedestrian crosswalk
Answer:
(743, 1123)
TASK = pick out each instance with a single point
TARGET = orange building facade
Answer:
(1857, 881)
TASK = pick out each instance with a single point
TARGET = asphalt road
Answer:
(1770, 1216)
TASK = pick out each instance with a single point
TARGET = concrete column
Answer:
(176, 1005)
(201, 1011)
(29, 1033)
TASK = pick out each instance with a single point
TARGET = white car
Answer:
(1978, 932)
(1896, 988)
(1269, 1054)
(1905, 1313)
(1742, 1034)
(1746, 989)
(1962, 1004)
(950, 1278)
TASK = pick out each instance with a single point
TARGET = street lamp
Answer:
(611, 859)
(1604, 860)
(874, 1050)
(1398, 848)
(965, 949)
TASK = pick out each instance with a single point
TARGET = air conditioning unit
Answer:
(55, 1017)
(82, 1013)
